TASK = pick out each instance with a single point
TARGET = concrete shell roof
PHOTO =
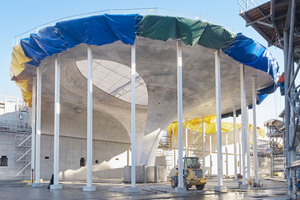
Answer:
(156, 64)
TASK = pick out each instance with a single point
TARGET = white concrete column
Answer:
(56, 184)
(220, 186)
(33, 105)
(133, 74)
(235, 141)
(248, 145)
(210, 156)
(243, 114)
(17, 104)
(240, 151)
(89, 138)
(38, 129)
(186, 138)
(226, 151)
(179, 117)
(203, 145)
(253, 79)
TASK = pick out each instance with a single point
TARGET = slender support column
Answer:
(56, 184)
(226, 151)
(248, 145)
(240, 151)
(133, 157)
(38, 129)
(179, 116)
(89, 139)
(235, 141)
(186, 139)
(287, 112)
(33, 128)
(253, 79)
(203, 145)
(220, 186)
(210, 156)
(17, 104)
(243, 105)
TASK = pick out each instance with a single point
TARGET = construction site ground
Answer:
(115, 189)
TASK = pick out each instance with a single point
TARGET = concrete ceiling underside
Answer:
(156, 64)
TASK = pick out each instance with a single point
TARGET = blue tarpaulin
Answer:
(96, 30)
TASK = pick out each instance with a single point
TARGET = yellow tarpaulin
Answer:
(17, 65)
(210, 127)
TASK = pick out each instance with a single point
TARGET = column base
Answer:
(220, 188)
(89, 188)
(132, 190)
(37, 185)
(180, 189)
(56, 187)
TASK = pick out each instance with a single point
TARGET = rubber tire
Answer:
(174, 181)
(200, 187)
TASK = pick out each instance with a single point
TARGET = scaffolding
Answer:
(278, 22)
(275, 133)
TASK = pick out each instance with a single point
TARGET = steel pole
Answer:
(38, 129)
(56, 124)
(253, 79)
(218, 113)
(186, 138)
(203, 145)
(133, 157)
(89, 139)
(242, 75)
(248, 144)
(235, 141)
(33, 128)
(210, 155)
(179, 114)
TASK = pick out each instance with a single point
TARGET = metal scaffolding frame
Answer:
(278, 21)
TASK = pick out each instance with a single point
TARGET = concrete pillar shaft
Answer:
(133, 74)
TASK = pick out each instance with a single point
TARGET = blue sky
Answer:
(18, 16)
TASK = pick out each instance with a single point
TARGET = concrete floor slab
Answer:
(15, 190)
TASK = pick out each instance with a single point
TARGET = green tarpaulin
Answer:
(191, 32)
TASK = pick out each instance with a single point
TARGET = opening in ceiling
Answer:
(115, 79)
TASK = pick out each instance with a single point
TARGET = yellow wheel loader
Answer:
(192, 174)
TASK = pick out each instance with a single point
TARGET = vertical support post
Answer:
(38, 129)
(186, 138)
(248, 144)
(203, 146)
(243, 117)
(226, 151)
(56, 184)
(235, 141)
(290, 123)
(210, 156)
(240, 152)
(89, 138)
(253, 79)
(220, 186)
(17, 104)
(33, 127)
(133, 157)
(287, 112)
(179, 116)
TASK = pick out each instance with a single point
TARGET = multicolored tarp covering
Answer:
(106, 29)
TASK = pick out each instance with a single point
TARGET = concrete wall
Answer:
(7, 148)
(111, 158)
